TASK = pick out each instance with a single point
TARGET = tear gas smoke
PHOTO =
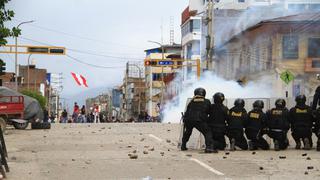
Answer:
(212, 84)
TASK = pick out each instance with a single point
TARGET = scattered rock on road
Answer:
(73, 160)
(152, 149)
(308, 158)
(253, 153)
(189, 155)
(260, 168)
(162, 153)
(133, 156)
(145, 152)
(310, 167)
(305, 154)
(13, 158)
(306, 173)
(168, 141)
(227, 153)
(142, 139)
(282, 157)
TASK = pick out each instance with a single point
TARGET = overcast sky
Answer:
(102, 27)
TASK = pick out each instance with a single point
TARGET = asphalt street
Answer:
(141, 151)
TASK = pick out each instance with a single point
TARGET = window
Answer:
(314, 48)
(290, 47)
(195, 25)
(241, 1)
(315, 64)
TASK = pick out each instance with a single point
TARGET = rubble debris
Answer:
(109, 127)
(168, 141)
(310, 167)
(227, 153)
(224, 157)
(306, 173)
(152, 149)
(134, 151)
(305, 154)
(260, 168)
(145, 152)
(189, 155)
(73, 160)
(162, 153)
(168, 130)
(253, 153)
(13, 158)
(282, 157)
(103, 128)
(146, 146)
(133, 156)
(308, 158)
(129, 146)
(142, 139)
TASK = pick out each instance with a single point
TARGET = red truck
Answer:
(12, 112)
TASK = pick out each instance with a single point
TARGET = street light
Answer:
(16, 55)
(28, 76)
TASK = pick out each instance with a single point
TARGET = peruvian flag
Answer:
(80, 80)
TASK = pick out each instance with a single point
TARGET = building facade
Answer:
(158, 78)
(272, 47)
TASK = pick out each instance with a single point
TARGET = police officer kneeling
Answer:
(196, 116)
(255, 127)
(278, 125)
(217, 121)
(236, 120)
(301, 120)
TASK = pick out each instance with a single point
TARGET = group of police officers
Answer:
(215, 121)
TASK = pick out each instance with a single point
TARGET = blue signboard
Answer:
(165, 63)
(48, 78)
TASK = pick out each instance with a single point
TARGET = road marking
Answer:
(207, 166)
(155, 137)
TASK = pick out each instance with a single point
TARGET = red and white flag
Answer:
(80, 80)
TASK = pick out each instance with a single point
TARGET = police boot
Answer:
(298, 144)
(276, 145)
(306, 143)
(232, 144)
(252, 146)
(184, 147)
(318, 145)
(210, 149)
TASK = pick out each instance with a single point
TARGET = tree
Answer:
(5, 16)
(36, 95)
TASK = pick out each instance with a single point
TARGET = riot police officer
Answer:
(196, 116)
(316, 128)
(236, 119)
(316, 98)
(278, 124)
(301, 120)
(217, 121)
(255, 127)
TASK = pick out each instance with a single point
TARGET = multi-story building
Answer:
(233, 16)
(133, 91)
(157, 78)
(272, 47)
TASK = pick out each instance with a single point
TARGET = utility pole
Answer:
(210, 36)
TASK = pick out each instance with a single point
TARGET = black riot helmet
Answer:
(258, 104)
(301, 100)
(200, 92)
(218, 98)
(280, 103)
(239, 103)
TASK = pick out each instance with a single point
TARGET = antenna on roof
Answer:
(171, 30)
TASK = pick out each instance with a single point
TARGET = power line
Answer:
(87, 52)
(79, 37)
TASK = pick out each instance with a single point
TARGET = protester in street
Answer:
(75, 113)
(64, 116)
(278, 124)
(196, 116)
(83, 115)
(255, 127)
(45, 115)
(301, 120)
(217, 121)
(236, 120)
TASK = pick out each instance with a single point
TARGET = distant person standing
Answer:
(316, 99)
(76, 111)
(45, 115)
(64, 116)
(96, 113)
(83, 115)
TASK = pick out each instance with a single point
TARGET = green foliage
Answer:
(36, 95)
(6, 15)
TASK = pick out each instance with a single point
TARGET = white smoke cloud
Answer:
(213, 84)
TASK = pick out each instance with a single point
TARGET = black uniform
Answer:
(316, 98)
(236, 120)
(316, 128)
(255, 125)
(217, 123)
(196, 116)
(278, 125)
(301, 121)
